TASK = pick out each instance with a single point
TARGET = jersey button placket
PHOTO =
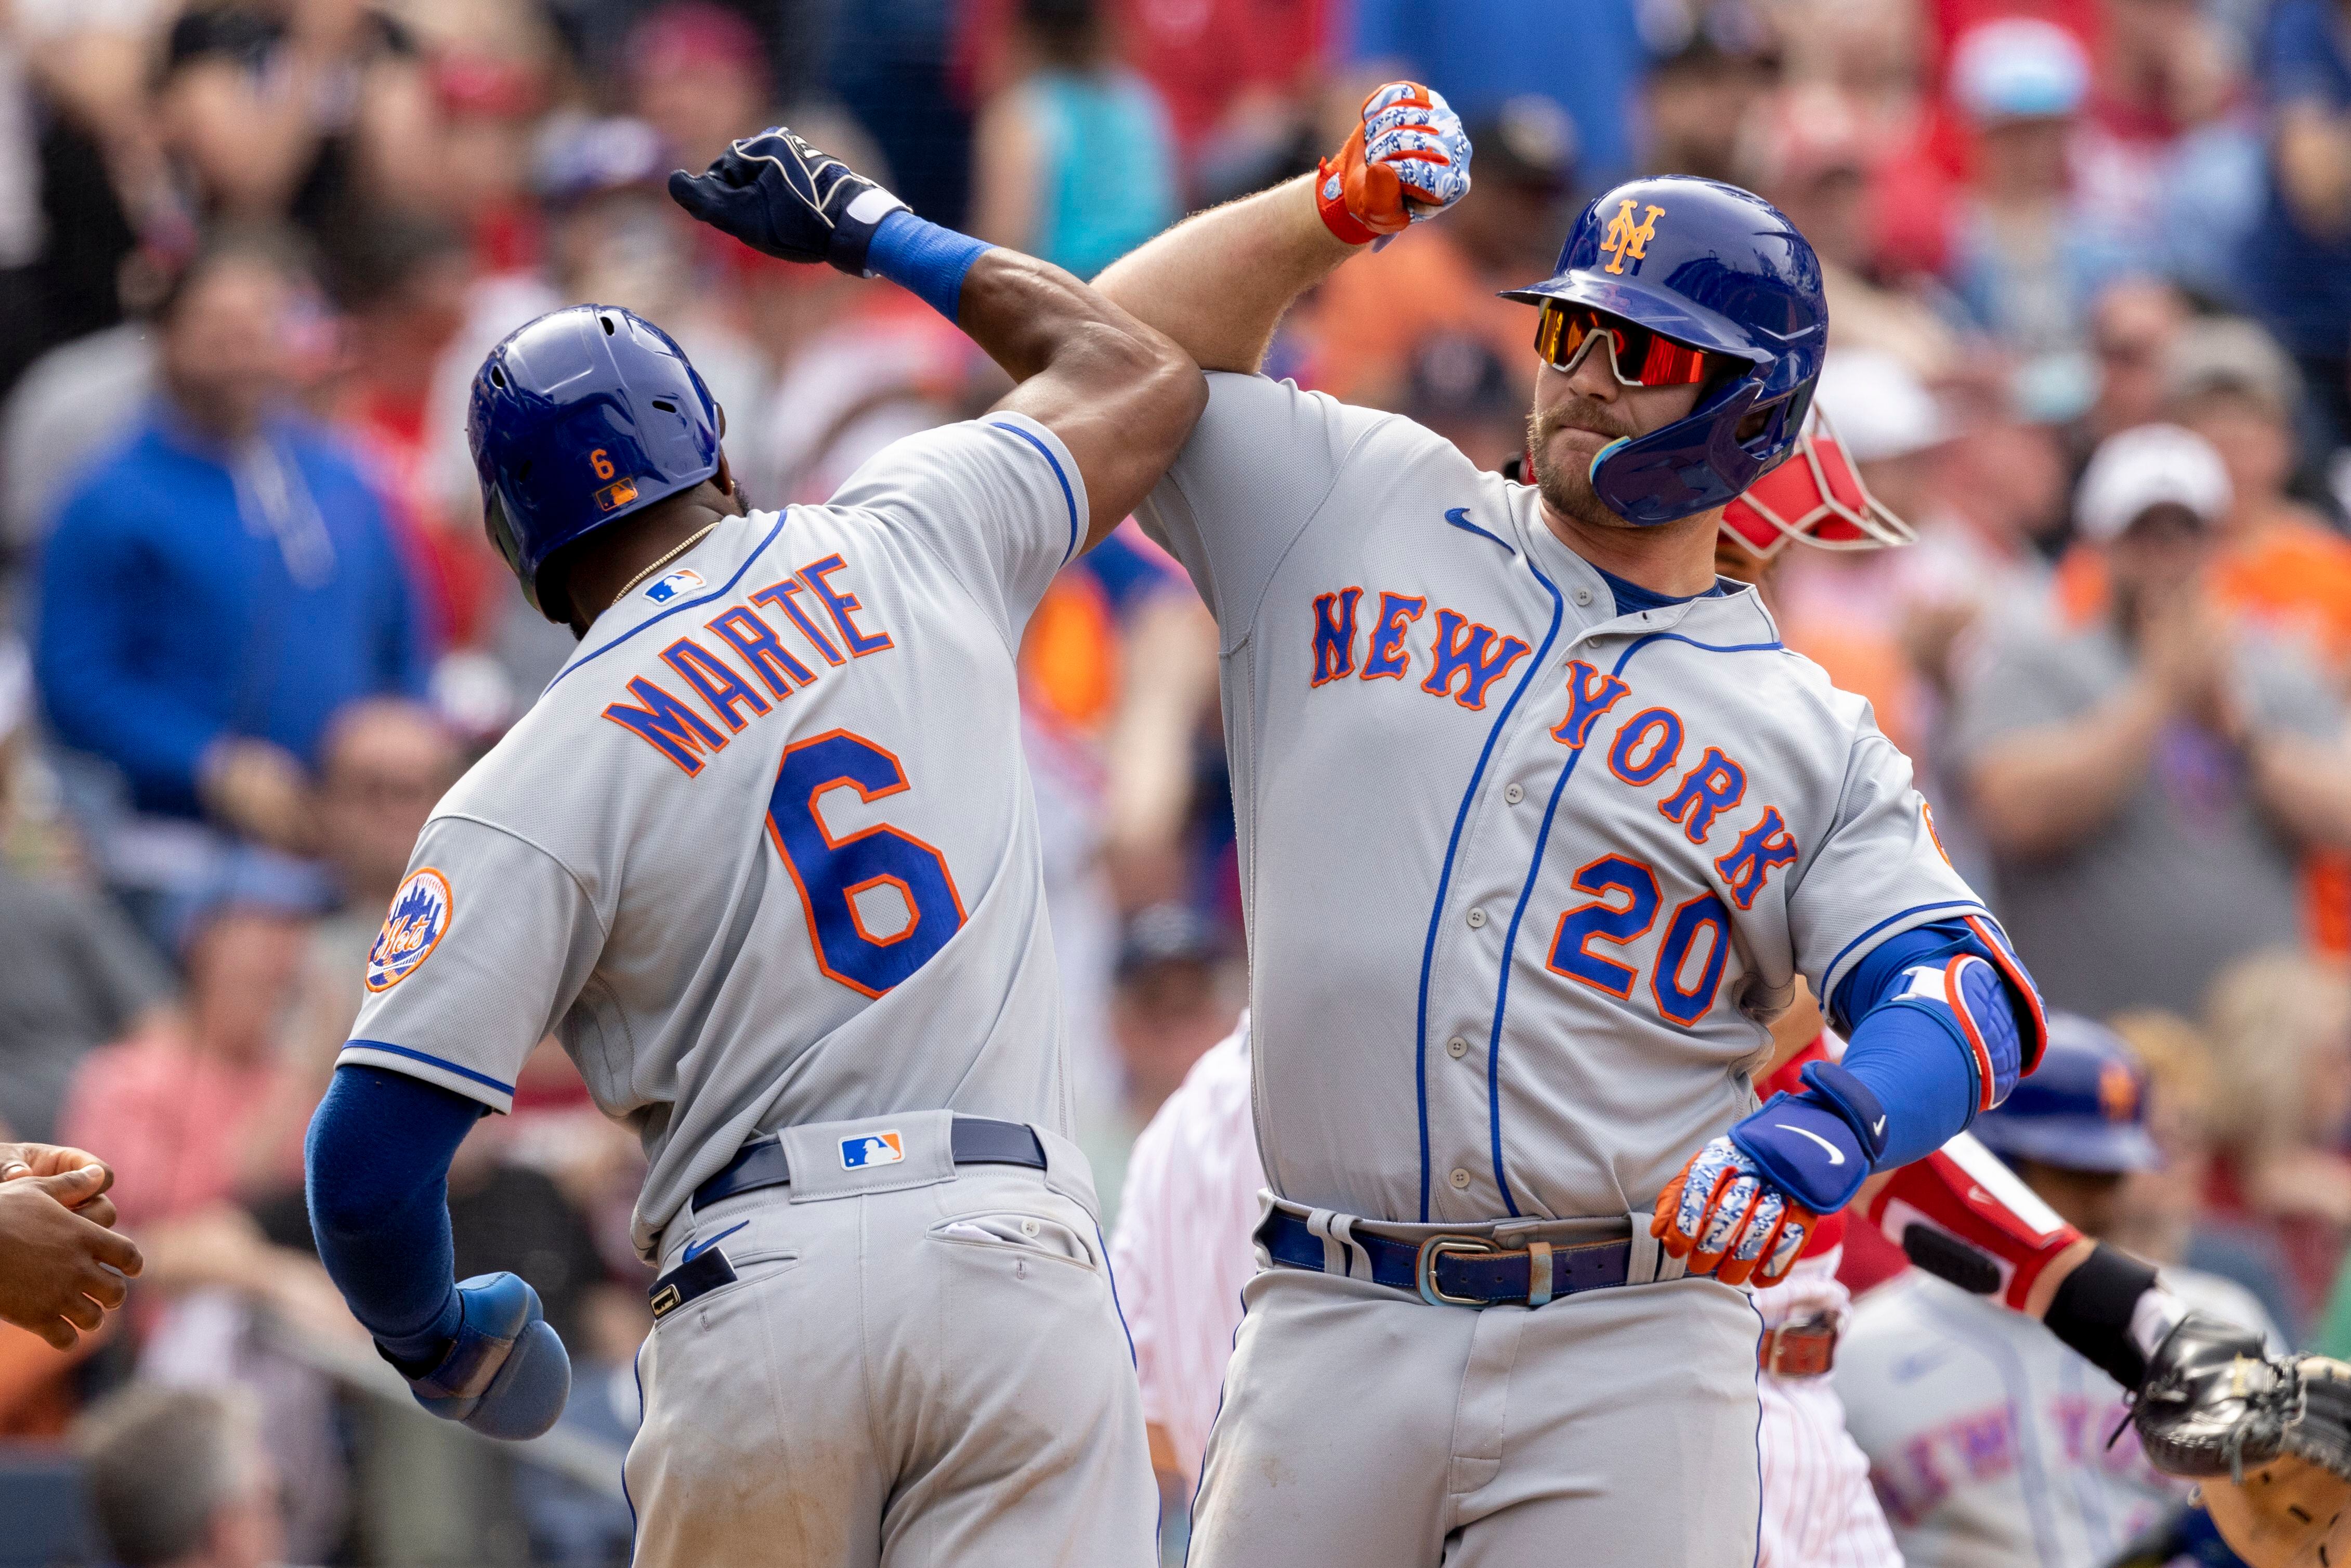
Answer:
(1513, 793)
(1460, 1178)
(1456, 1048)
(1477, 919)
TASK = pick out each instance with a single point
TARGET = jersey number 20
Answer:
(833, 874)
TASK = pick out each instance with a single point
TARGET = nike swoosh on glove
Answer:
(506, 1374)
(786, 199)
(1744, 1204)
(1407, 162)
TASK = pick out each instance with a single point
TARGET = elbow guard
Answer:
(1963, 975)
(1963, 1216)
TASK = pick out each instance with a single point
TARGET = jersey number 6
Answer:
(832, 874)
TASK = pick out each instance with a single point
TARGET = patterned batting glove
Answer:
(783, 197)
(1408, 161)
(1744, 1204)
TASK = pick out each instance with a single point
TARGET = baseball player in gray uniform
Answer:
(764, 858)
(1538, 822)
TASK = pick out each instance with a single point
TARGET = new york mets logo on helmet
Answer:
(1626, 238)
(419, 919)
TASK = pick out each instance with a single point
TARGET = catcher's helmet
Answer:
(579, 419)
(2083, 1108)
(1720, 268)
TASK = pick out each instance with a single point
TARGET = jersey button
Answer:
(1513, 793)
(1477, 918)
(1583, 596)
(1460, 1178)
(1456, 1048)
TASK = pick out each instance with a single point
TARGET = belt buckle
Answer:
(1814, 1325)
(1423, 1268)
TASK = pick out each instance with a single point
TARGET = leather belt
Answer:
(1806, 1348)
(1460, 1270)
(975, 1141)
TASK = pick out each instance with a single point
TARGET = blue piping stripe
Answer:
(1901, 914)
(721, 592)
(1459, 518)
(1068, 496)
(1526, 893)
(482, 1078)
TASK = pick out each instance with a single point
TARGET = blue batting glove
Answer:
(506, 1374)
(785, 198)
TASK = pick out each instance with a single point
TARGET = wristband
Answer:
(1331, 201)
(925, 259)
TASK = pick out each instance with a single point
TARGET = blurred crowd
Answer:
(2089, 270)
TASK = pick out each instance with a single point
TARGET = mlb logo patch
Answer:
(419, 916)
(685, 579)
(872, 1149)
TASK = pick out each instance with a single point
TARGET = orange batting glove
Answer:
(1409, 160)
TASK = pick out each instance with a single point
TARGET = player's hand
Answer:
(1743, 1205)
(259, 789)
(60, 1273)
(783, 197)
(21, 1162)
(506, 1375)
(1409, 160)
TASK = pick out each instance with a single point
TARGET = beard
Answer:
(1566, 487)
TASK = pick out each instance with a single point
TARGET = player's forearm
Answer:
(1218, 284)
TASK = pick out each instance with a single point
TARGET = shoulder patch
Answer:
(419, 917)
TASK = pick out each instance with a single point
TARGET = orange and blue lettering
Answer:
(1334, 634)
(1461, 650)
(1707, 790)
(1760, 850)
(1571, 949)
(780, 595)
(1666, 725)
(839, 604)
(715, 681)
(1686, 1006)
(1590, 693)
(1388, 658)
(755, 640)
(666, 725)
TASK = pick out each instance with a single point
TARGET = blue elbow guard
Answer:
(1969, 995)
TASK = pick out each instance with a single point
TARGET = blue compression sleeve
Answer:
(925, 259)
(378, 1166)
(1913, 1058)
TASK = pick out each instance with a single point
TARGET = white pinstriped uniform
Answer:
(1818, 1508)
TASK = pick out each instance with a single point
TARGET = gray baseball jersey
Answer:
(764, 852)
(1524, 877)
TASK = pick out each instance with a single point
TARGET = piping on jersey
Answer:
(1068, 497)
(1526, 893)
(1459, 518)
(1828, 976)
(721, 592)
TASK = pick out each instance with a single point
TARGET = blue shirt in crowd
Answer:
(1587, 57)
(188, 594)
(2300, 283)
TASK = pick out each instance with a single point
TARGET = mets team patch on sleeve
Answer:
(419, 915)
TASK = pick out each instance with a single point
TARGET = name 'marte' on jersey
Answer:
(765, 852)
(1525, 877)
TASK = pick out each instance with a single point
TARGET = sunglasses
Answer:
(1637, 356)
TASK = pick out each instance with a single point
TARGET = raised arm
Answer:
(1121, 396)
(1219, 283)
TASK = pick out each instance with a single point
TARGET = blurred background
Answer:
(251, 254)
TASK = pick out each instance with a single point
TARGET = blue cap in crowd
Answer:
(2083, 1109)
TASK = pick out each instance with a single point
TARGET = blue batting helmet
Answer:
(579, 419)
(1721, 269)
(2083, 1109)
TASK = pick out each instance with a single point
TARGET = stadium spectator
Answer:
(1173, 999)
(223, 583)
(2296, 261)
(2026, 260)
(2133, 324)
(2151, 749)
(1696, 99)
(1073, 160)
(1368, 321)
(697, 74)
(179, 1478)
(1986, 1437)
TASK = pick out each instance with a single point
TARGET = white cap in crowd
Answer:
(2147, 466)
(1880, 407)
(2019, 67)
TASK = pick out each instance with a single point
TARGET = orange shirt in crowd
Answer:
(1365, 323)
(2292, 578)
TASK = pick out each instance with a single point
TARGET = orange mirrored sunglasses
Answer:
(1638, 356)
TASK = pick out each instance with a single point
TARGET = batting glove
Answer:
(1743, 1207)
(783, 197)
(1409, 160)
(506, 1374)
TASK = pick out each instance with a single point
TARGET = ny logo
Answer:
(1627, 238)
